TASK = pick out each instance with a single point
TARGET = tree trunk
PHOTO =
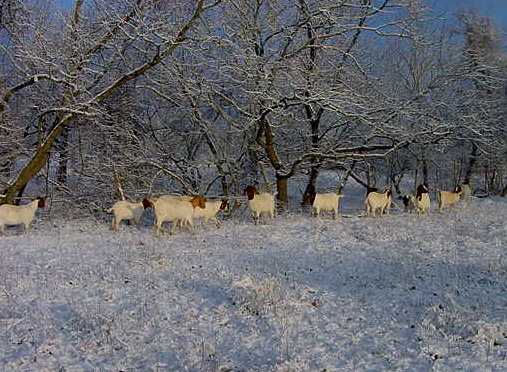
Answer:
(425, 170)
(266, 138)
(283, 197)
(312, 183)
(61, 174)
(471, 164)
(315, 169)
(35, 165)
(396, 184)
(21, 191)
(345, 178)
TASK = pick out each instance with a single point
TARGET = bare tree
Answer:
(95, 68)
(303, 73)
(193, 96)
(485, 65)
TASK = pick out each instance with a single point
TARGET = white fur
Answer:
(327, 202)
(124, 210)
(11, 215)
(449, 198)
(378, 202)
(209, 212)
(173, 211)
(422, 206)
(262, 204)
(466, 191)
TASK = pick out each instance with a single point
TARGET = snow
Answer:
(400, 293)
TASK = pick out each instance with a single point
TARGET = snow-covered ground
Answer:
(401, 293)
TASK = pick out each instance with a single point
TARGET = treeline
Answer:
(119, 99)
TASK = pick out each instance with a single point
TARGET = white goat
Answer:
(11, 215)
(378, 202)
(450, 198)
(176, 210)
(422, 203)
(260, 204)
(124, 210)
(179, 223)
(422, 199)
(210, 211)
(329, 202)
(466, 191)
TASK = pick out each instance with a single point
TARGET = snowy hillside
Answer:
(401, 293)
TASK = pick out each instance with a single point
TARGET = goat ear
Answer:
(41, 203)
(147, 203)
(250, 192)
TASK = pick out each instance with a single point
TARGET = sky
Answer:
(496, 9)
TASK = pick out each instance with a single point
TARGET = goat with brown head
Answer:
(11, 215)
(449, 198)
(260, 204)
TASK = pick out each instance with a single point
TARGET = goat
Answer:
(422, 203)
(466, 191)
(381, 202)
(421, 189)
(124, 210)
(260, 203)
(408, 202)
(371, 189)
(450, 198)
(210, 211)
(182, 223)
(11, 215)
(176, 210)
(324, 202)
(422, 199)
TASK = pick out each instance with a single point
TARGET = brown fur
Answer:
(198, 201)
(42, 202)
(224, 205)
(147, 203)
(421, 189)
(250, 191)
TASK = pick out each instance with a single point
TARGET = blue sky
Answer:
(496, 9)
